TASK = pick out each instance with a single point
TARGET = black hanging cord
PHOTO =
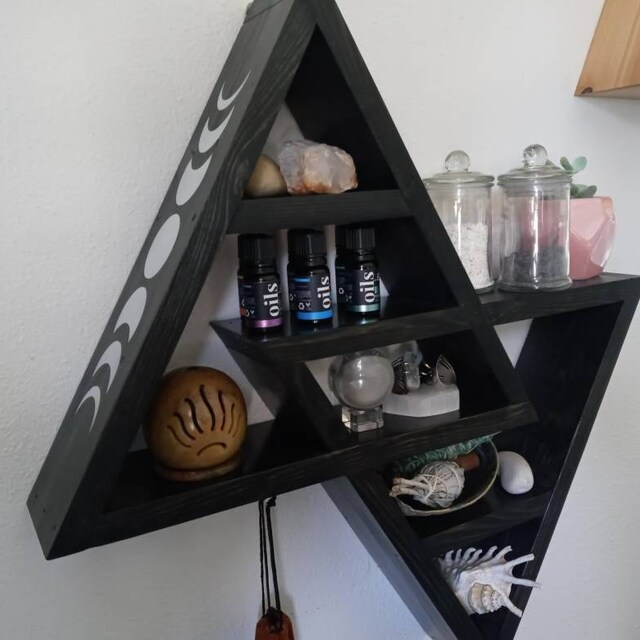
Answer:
(267, 556)
(276, 591)
(264, 566)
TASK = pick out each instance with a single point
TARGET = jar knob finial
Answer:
(535, 155)
(457, 161)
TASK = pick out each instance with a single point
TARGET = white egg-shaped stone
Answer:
(515, 473)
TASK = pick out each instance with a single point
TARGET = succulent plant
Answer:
(578, 190)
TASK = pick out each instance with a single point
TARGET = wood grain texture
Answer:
(612, 65)
(299, 343)
(566, 403)
(82, 464)
(93, 491)
(265, 215)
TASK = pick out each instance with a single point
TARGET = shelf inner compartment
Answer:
(522, 539)
(503, 307)
(141, 501)
(297, 342)
(265, 215)
(494, 513)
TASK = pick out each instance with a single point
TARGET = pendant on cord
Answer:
(274, 624)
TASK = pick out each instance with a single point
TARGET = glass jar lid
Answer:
(535, 168)
(457, 173)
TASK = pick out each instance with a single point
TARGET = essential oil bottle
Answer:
(291, 267)
(341, 267)
(362, 276)
(311, 277)
(258, 282)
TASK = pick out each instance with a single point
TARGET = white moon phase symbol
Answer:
(209, 137)
(94, 394)
(132, 311)
(162, 246)
(223, 103)
(190, 181)
(111, 357)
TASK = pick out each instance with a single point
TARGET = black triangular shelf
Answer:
(92, 490)
(565, 364)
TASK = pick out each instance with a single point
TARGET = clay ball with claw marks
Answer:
(197, 424)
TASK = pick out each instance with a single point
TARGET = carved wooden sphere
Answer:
(197, 424)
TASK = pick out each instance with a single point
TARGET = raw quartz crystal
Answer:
(311, 167)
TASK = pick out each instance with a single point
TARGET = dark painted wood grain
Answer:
(498, 511)
(297, 342)
(81, 466)
(373, 493)
(157, 508)
(266, 215)
(503, 307)
(92, 491)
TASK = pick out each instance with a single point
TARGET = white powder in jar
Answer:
(471, 241)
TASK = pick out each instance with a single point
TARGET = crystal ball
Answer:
(361, 380)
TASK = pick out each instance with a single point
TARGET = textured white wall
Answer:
(98, 100)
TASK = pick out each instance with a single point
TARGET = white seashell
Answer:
(437, 485)
(482, 583)
(516, 476)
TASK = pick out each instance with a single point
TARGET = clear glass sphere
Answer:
(361, 380)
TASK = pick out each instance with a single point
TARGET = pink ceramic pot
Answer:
(592, 230)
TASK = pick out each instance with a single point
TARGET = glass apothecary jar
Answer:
(534, 238)
(462, 199)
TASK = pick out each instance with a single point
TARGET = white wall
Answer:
(97, 102)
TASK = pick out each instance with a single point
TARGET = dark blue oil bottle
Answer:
(311, 277)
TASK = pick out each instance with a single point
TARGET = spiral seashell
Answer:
(197, 424)
(482, 583)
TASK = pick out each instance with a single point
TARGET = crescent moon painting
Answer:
(223, 103)
(131, 313)
(209, 137)
(93, 394)
(162, 245)
(111, 357)
(190, 182)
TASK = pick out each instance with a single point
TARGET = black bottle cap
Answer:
(360, 239)
(293, 234)
(256, 248)
(309, 243)
(340, 234)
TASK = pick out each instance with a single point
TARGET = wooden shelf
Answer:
(344, 333)
(266, 215)
(495, 513)
(503, 307)
(612, 66)
(92, 490)
(141, 501)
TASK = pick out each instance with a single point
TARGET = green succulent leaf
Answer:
(579, 164)
(565, 164)
(583, 190)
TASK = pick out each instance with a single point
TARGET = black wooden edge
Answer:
(345, 339)
(68, 517)
(394, 526)
(527, 508)
(366, 93)
(576, 450)
(259, 6)
(266, 215)
(319, 413)
(219, 496)
(385, 554)
(504, 307)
